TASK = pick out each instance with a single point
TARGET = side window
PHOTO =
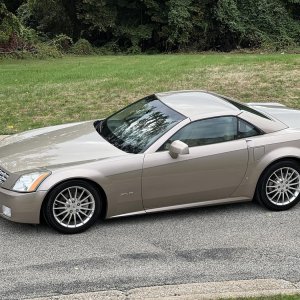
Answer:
(205, 132)
(246, 130)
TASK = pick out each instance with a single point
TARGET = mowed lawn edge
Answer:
(37, 93)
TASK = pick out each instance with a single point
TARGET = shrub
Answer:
(10, 29)
(62, 42)
(109, 48)
(82, 47)
(44, 50)
(135, 49)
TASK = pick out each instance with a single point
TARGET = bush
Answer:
(10, 29)
(108, 49)
(62, 42)
(44, 50)
(29, 36)
(135, 49)
(82, 47)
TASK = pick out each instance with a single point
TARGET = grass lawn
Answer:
(278, 297)
(36, 93)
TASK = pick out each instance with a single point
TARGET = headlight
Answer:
(30, 182)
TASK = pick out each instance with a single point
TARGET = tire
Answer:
(72, 207)
(279, 186)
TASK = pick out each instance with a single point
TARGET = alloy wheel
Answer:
(73, 207)
(283, 186)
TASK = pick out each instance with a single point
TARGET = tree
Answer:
(251, 23)
(10, 30)
(13, 5)
(135, 26)
(51, 17)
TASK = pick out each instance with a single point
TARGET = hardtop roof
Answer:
(192, 103)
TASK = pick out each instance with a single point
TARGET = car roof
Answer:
(195, 103)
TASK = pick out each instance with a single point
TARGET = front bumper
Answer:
(25, 207)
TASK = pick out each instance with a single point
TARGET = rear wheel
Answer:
(72, 206)
(279, 186)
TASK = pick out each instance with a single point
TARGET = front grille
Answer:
(3, 176)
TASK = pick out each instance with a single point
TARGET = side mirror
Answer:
(178, 148)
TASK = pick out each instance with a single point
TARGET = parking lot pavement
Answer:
(213, 244)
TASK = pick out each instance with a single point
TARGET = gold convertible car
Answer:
(166, 151)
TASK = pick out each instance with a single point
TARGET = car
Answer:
(167, 151)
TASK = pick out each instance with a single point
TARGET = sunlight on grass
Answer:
(40, 93)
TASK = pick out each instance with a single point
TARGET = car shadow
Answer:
(179, 215)
(185, 213)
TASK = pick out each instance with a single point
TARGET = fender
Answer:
(258, 164)
(121, 181)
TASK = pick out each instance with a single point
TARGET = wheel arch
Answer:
(93, 183)
(256, 169)
(285, 158)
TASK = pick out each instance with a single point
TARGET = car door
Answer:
(213, 169)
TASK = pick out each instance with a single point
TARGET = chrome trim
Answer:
(3, 176)
(141, 212)
(266, 104)
(185, 206)
(199, 204)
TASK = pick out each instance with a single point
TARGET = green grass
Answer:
(277, 297)
(36, 93)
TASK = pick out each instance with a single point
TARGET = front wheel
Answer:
(279, 186)
(72, 206)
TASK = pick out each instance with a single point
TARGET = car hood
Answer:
(56, 145)
(288, 116)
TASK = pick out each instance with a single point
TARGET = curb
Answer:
(3, 136)
(193, 291)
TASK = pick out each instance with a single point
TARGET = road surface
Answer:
(229, 242)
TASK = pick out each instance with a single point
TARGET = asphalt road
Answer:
(231, 242)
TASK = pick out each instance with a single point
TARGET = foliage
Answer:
(10, 27)
(12, 5)
(46, 50)
(62, 42)
(180, 26)
(137, 26)
(82, 47)
(96, 15)
(109, 48)
(251, 23)
(48, 16)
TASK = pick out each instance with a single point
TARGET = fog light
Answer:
(6, 211)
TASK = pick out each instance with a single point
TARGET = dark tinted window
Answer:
(246, 108)
(246, 130)
(205, 132)
(137, 126)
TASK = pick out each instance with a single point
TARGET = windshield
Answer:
(140, 124)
